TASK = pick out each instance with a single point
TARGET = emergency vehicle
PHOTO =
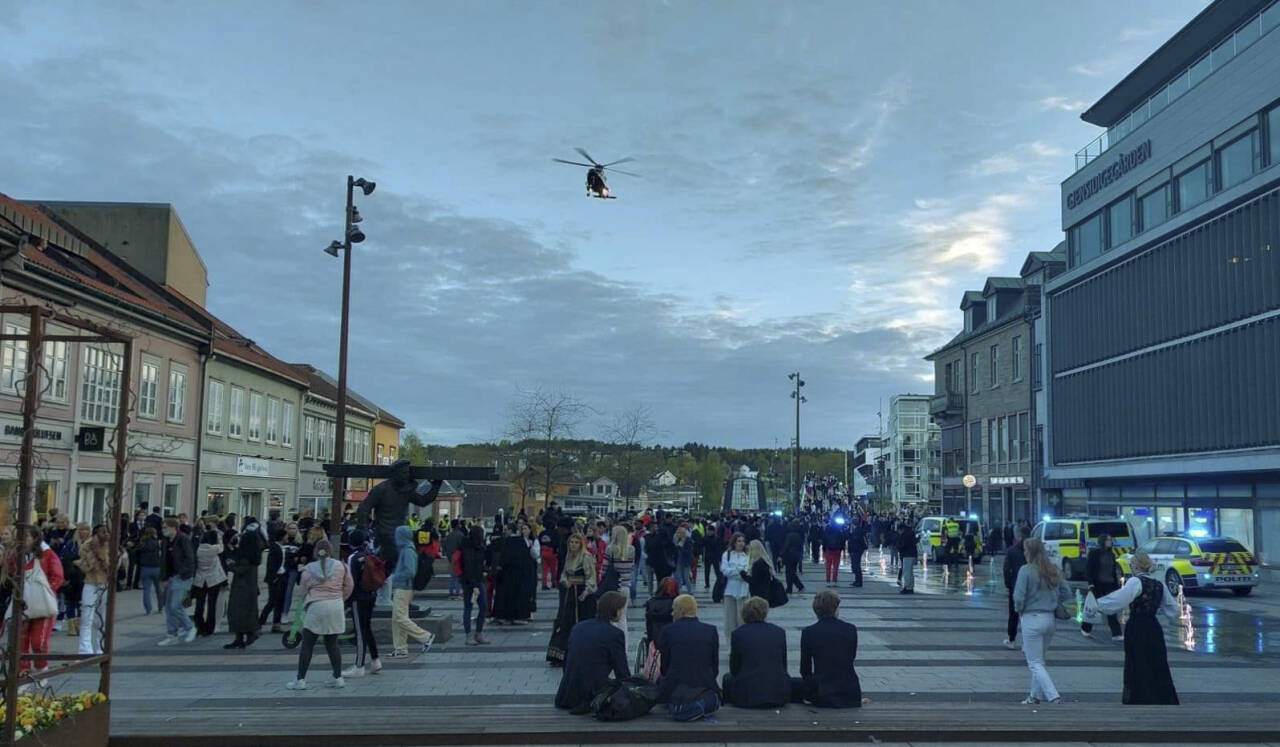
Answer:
(930, 530)
(1200, 563)
(1067, 541)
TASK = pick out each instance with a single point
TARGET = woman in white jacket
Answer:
(733, 564)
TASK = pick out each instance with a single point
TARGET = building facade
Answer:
(48, 262)
(319, 440)
(909, 450)
(983, 404)
(1164, 330)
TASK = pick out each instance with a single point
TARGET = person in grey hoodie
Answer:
(401, 593)
(1036, 595)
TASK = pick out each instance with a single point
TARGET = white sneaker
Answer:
(57, 625)
(1011, 645)
(353, 671)
(336, 682)
(1085, 633)
(169, 640)
(189, 636)
(426, 645)
(297, 685)
(373, 667)
(1117, 638)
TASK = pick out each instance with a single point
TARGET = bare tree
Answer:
(630, 431)
(546, 418)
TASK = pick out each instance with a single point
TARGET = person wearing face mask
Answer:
(177, 569)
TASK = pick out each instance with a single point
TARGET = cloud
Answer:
(992, 165)
(1046, 150)
(1062, 103)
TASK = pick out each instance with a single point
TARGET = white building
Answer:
(910, 443)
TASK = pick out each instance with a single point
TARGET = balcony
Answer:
(945, 405)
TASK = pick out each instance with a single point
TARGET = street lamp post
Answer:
(795, 464)
(351, 234)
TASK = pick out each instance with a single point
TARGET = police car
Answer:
(1201, 563)
(930, 530)
(1067, 541)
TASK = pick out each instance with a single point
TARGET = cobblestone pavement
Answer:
(941, 646)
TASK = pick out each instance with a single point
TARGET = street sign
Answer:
(92, 438)
(969, 481)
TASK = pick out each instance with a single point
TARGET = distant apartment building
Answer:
(911, 442)
(1163, 331)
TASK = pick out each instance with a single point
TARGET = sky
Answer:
(819, 183)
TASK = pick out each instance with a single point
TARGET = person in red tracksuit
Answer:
(550, 569)
(33, 633)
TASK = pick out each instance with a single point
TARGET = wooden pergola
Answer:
(91, 332)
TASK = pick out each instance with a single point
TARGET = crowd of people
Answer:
(749, 563)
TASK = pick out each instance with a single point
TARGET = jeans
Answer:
(275, 601)
(176, 621)
(1037, 632)
(855, 563)
(290, 583)
(93, 612)
(206, 608)
(683, 580)
(482, 605)
(909, 573)
(150, 578)
(455, 586)
(793, 575)
(1013, 619)
(401, 626)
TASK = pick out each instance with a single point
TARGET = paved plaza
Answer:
(932, 663)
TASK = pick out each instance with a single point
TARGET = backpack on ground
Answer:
(374, 573)
(624, 700)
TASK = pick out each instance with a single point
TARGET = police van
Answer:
(1067, 541)
(930, 530)
(1201, 563)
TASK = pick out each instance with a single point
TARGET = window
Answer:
(309, 437)
(379, 457)
(141, 491)
(991, 310)
(235, 419)
(14, 362)
(995, 366)
(255, 416)
(1239, 160)
(1273, 133)
(100, 386)
(172, 494)
(1121, 221)
(148, 388)
(273, 420)
(993, 444)
(177, 393)
(1153, 207)
(956, 369)
(973, 373)
(286, 424)
(392, 450)
(1004, 439)
(55, 369)
(213, 417)
(1193, 185)
(1037, 358)
(1024, 436)
(1017, 358)
(1085, 240)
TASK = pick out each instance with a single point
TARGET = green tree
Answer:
(412, 448)
(711, 474)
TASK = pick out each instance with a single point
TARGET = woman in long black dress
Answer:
(512, 603)
(577, 597)
(242, 604)
(1147, 680)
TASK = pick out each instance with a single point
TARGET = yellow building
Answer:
(386, 437)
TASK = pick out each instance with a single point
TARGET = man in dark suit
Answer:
(596, 649)
(690, 652)
(827, 650)
(757, 676)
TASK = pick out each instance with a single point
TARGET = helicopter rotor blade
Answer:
(572, 163)
(620, 171)
(620, 160)
(587, 156)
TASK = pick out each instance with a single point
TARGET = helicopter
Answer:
(596, 186)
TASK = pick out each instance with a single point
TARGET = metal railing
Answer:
(1094, 149)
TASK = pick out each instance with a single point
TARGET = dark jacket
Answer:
(472, 563)
(596, 649)
(758, 665)
(1013, 560)
(761, 576)
(657, 615)
(832, 538)
(857, 539)
(1093, 570)
(180, 558)
(148, 552)
(355, 566)
(275, 559)
(906, 543)
(827, 650)
(690, 652)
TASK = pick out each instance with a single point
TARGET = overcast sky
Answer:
(820, 183)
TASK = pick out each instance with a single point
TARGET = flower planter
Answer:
(88, 728)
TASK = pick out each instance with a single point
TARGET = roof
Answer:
(79, 261)
(1182, 49)
(1037, 260)
(1012, 314)
(970, 298)
(389, 419)
(167, 207)
(1002, 284)
(320, 383)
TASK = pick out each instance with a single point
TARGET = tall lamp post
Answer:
(351, 235)
(795, 463)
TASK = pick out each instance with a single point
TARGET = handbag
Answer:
(1060, 612)
(610, 580)
(777, 593)
(37, 596)
(717, 591)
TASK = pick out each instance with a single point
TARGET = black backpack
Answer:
(625, 699)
